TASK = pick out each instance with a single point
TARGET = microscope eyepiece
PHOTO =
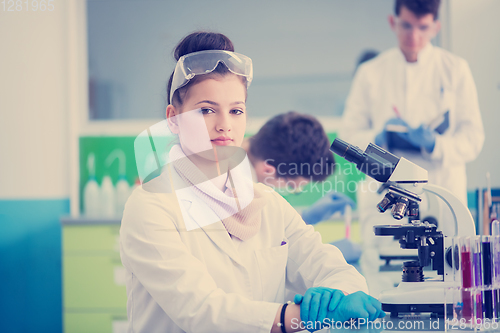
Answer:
(374, 162)
(349, 152)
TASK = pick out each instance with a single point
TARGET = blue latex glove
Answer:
(382, 140)
(316, 303)
(423, 137)
(326, 207)
(357, 305)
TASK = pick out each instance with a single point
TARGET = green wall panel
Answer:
(102, 147)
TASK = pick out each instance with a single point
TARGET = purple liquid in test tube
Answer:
(495, 241)
(466, 265)
(478, 277)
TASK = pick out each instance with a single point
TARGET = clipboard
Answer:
(441, 123)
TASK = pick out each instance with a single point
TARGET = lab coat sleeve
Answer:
(357, 127)
(466, 142)
(180, 283)
(312, 263)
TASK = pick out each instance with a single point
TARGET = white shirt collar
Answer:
(423, 56)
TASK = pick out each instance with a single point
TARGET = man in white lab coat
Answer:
(418, 100)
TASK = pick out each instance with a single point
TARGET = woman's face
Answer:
(220, 102)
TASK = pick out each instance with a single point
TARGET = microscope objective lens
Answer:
(399, 209)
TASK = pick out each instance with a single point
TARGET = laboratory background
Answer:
(80, 80)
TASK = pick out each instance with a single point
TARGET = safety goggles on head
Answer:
(204, 62)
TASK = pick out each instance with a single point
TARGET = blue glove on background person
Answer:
(316, 303)
(382, 139)
(415, 138)
(325, 207)
(422, 136)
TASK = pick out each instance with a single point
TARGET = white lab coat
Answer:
(205, 281)
(421, 91)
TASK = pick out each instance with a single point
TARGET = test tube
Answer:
(466, 268)
(495, 242)
(453, 294)
(347, 221)
(487, 264)
(455, 258)
(495, 228)
(477, 274)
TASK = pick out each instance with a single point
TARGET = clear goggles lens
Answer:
(422, 30)
(204, 62)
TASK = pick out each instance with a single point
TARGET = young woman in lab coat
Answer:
(207, 250)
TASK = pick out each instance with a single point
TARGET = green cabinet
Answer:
(94, 295)
(80, 322)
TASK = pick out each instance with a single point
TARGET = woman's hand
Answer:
(317, 303)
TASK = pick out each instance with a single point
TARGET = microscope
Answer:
(405, 182)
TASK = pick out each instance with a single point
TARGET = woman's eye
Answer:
(237, 111)
(207, 111)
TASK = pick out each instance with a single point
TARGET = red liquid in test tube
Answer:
(466, 284)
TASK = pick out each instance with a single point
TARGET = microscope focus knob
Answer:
(431, 220)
